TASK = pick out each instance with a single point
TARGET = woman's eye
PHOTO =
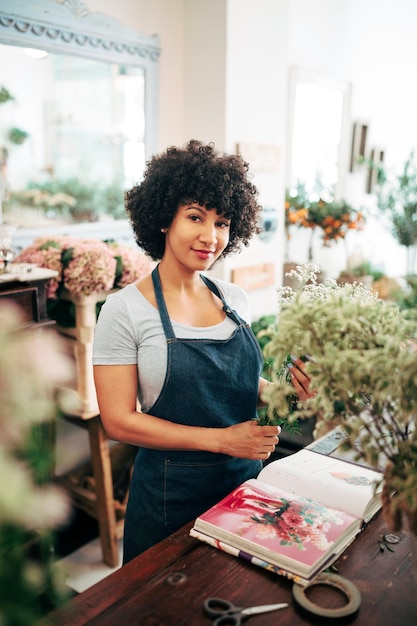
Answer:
(195, 218)
(223, 224)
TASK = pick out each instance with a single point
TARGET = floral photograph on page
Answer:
(293, 524)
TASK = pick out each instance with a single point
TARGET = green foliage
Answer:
(5, 95)
(407, 299)
(362, 363)
(62, 312)
(31, 368)
(83, 194)
(30, 584)
(264, 329)
(364, 269)
(334, 218)
(112, 201)
(397, 198)
(401, 476)
(17, 135)
(71, 197)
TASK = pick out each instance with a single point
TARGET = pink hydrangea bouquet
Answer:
(85, 267)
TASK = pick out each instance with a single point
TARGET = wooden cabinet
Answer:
(28, 291)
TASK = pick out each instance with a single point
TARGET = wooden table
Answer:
(148, 591)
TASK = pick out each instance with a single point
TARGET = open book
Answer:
(297, 517)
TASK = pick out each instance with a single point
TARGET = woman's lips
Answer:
(204, 254)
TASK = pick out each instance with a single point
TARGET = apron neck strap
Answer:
(163, 311)
(217, 292)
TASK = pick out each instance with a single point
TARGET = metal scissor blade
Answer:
(264, 608)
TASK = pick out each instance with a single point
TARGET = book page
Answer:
(282, 528)
(333, 482)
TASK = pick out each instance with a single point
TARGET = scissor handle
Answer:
(228, 620)
(221, 608)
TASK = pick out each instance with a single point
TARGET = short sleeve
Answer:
(115, 341)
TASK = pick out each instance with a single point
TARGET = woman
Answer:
(177, 343)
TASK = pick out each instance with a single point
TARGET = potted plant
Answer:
(397, 199)
(360, 353)
(85, 267)
(69, 199)
(332, 218)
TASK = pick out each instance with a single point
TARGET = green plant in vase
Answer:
(397, 199)
(362, 361)
(334, 219)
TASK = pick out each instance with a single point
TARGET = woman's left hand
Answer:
(300, 380)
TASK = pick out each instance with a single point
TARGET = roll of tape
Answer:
(348, 589)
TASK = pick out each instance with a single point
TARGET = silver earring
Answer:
(164, 230)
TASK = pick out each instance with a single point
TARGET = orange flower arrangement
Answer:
(334, 218)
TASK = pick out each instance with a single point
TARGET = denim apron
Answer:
(209, 383)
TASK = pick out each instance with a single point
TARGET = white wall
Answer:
(223, 77)
(256, 99)
(371, 44)
(205, 70)
(220, 53)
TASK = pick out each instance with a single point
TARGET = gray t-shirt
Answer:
(129, 331)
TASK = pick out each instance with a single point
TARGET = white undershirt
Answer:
(129, 331)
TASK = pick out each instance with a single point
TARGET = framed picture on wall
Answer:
(375, 165)
(358, 151)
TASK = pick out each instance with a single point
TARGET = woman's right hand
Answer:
(248, 440)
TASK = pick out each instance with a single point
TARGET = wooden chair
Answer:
(92, 487)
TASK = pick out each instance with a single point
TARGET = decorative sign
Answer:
(254, 276)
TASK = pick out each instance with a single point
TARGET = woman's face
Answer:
(196, 237)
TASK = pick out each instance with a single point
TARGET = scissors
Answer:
(227, 614)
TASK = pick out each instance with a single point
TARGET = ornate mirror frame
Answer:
(68, 27)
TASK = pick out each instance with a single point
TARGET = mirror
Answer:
(78, 102)
(95, 120)
(318, 133)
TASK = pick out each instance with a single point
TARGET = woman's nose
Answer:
(208, 232)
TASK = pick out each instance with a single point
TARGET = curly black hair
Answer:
(195, 173)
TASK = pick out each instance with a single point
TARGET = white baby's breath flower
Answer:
(362, 368)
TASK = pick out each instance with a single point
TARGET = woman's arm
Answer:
(116, 387)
